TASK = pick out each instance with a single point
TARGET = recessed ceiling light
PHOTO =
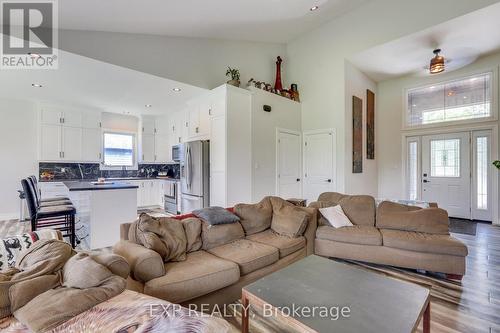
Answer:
(148, 105)
(176, 89)
(36, 85)
(312, 9)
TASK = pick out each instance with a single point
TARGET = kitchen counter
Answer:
(89, 186)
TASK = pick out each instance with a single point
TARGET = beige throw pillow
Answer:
(255, 218)
(289, 220)
(192, 228)
(163, 235)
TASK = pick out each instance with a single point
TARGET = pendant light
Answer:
(437, 63)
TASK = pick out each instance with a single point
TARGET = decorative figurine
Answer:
(278, 85)
(294, 93)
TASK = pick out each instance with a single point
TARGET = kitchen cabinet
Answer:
(148, 125)
(148, 148)
(69, 135)
(71, 143)
(91, 145)
(163, 149)
(149, 192)
(198, 119)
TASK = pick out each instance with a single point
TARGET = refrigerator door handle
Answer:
(188, 167)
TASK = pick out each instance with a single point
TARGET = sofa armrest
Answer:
(124, 228)
(145, 264)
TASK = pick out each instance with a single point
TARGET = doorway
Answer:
(319, 163)
(453, 170)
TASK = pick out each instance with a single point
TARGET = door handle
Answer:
(298, 179)
(426, 181)
(328, 180)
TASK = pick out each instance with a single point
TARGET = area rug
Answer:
(465, 227)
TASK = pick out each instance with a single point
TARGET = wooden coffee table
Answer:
(376, 303)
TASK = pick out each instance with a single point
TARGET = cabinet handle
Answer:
(187, 124)
(173, 128)
(60, 120)
(100, 156)
(143, 157)
(197, 129)
(143, 129)
(210, 111)
(179, 139)
(155, 157)
(100, 124)
(62, 154)
(63, 120)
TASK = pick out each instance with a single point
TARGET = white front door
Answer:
(319, 163)
(289, 161)
(446, 172)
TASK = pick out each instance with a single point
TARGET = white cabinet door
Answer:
(49, 116)
(163, 149)
(148, 125)
(72, 143)
(162, 126)
(91, 145)
(148, 148)
(193, 122)
(91, 120)
(218, 106)
(218, 189)
(72, 118)
(204, 113)
(50, 142)
(155, 199)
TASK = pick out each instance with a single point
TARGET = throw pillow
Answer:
(216, 215)
(163, 235)
(336, 216)
(288, 220)
(192, 228)
(255, 218)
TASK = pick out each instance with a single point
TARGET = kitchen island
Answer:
(102, 208)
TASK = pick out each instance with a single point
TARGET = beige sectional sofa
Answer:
(228, 257)
(390, 234)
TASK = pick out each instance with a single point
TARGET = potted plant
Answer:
(497, 164)
(234, 74)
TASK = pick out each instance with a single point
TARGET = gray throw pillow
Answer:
(216, 215)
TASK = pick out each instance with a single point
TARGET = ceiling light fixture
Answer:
(148, 105)
(312, 9)
(437, 63)
(36, 85)
(176, 89)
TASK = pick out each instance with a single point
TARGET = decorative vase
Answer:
(278, 85)
(235, 83)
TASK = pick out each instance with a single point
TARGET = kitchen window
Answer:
(119, 149)
(462, 99)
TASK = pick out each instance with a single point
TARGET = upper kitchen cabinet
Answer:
(69, 134)
(148, 125)
(198, 118)
(51, 115)
(155, 140)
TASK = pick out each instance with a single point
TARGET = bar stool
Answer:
(60, 217)
(45, 201)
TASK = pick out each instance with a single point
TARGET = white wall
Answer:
(18, 152)
(285, 114)
(200, 62)
(119, 122)
(356, 84)
(316, 59)
(389, 119)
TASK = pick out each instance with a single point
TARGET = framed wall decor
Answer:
(370, 124)
(357, 135)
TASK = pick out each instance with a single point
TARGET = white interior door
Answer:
(446, 172)
(319, 163)
(289, 162)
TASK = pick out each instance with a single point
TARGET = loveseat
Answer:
(221, 259)
(390, 234)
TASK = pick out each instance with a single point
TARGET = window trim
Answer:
(443, 80)
(134, 157)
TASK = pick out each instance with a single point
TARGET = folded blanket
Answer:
(51, 284)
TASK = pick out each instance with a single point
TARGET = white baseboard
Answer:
(9, 216)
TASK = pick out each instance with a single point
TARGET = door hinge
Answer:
(305, 143)
(100, 124)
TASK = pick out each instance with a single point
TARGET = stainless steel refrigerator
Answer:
(195, 173)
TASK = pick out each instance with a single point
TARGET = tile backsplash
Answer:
(91, 171)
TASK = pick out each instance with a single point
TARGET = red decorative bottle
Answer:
(278, 85)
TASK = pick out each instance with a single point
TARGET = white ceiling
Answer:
(84, 82)
(462, 41)
(251, 20)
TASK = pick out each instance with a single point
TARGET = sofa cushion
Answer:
(289, 220)
(192, 228)
(391, 215)
(216, 235)
(200, 274)
(250, 256)
(360, 209)
(216, 215)
(285, 245)
(358, 234)
(255, 218)
(423, 242)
